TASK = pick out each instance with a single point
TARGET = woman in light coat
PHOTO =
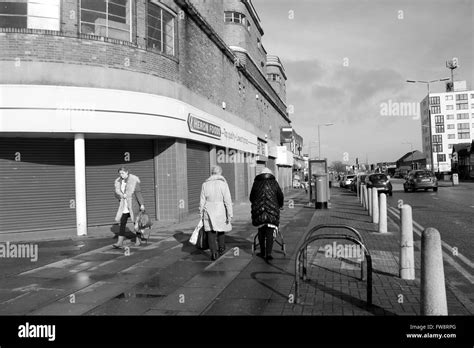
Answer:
(128, 191)
(216, 211)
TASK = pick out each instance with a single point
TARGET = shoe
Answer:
(261, 255)
(214, 256)
(221, 251)
(115, 246)
(269, 257)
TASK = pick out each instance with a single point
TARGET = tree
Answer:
(338, 166)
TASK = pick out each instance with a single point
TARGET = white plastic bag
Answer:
(194, 236)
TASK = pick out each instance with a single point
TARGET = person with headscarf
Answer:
(216, 211)
(267, 200)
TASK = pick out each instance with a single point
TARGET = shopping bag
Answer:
(194, 236)
(202, 242)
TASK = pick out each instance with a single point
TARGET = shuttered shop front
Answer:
(37, 184)
(198, 163)
(103, 159)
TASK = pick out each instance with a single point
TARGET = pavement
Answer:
(169, 276)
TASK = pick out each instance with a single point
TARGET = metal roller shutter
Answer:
(38, 191)
(199, 163)
(103, 159)
(240, 180)
(271, 164)
(246, 183)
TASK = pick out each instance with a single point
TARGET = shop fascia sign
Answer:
(203, 127)
(286, 134)
(284, 157)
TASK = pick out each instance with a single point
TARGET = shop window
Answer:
(30, 14)
(108, 18)
(161, 29)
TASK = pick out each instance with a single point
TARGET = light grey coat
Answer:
(216, 204)
(134, 196)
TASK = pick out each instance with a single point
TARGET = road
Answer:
(450, 211)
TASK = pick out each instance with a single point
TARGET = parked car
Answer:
(420, 179)
(347, 181)
(379, 181)
(361, 178)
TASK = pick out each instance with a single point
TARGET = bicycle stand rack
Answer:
(301, 261)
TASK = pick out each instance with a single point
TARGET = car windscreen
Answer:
(378, 177)
(350, 177)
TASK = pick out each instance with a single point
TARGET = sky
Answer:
(347, 59)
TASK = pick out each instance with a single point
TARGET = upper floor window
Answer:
(434, 100)
(161, 29)
(439, 119)
(234, 17)
(449, 97)
(435, 109)
(464, 116)
(461, 96)
(462, 106)
(274, 77)
(30, 14)
(109, 18)
(450, 117)
(463, 125)
(449, 107)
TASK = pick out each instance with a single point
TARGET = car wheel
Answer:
(435, 189)
(426, 190)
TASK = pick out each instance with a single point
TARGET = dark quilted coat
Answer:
(267, 199)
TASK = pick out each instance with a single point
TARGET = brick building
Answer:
(167, 88)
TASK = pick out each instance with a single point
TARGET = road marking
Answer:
(446, 245)
(418, 230)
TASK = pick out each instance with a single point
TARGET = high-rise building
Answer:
(452, 122)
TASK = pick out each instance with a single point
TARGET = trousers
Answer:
(265, 239)
(216, 240)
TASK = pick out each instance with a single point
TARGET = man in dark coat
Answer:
(267, 199)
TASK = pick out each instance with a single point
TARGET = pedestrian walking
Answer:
(128, 191)
(267, 200)
(216, 211)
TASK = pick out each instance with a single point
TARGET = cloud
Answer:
(303, 71)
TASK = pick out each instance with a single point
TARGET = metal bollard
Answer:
(357, 189)
(375, 206)
(365, 199)
(383, 213)
(370, 201)
(433, 290)
(407, 257)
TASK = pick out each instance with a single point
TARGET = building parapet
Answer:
(255, 75)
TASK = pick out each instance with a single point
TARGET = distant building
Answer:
(452, 122)
(462, 160)
(411, 161)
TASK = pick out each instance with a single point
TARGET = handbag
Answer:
(202, 241)
(194, 236)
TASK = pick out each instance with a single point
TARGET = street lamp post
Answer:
(319, 135)
(429, 115)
